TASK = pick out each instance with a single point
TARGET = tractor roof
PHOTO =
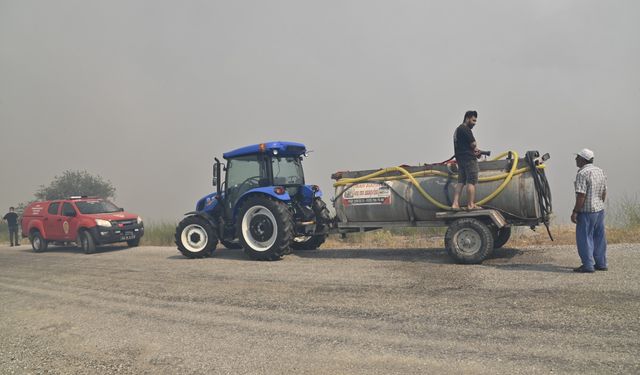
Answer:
(282, 148)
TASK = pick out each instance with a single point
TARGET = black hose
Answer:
(543, 190)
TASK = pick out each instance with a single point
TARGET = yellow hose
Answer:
(411, 176)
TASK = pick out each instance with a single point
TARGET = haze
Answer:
(147, 93)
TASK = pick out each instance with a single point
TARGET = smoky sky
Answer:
(147, 93)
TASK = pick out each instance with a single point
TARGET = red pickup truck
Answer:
(86, 221)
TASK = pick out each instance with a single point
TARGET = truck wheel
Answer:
(501, 237)
(87, 242)
(265, 228)
(231, 245)
(196, 237)
(468, 241)
(323, 218)
(38, 243)
(134, 243)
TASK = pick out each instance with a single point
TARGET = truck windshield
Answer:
(287, 171)
(96, 207)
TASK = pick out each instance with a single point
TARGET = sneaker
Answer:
(583, 269)
(601, 268)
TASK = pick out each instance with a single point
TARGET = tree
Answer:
(76, 183)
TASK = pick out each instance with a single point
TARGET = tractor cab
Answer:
(273, 168)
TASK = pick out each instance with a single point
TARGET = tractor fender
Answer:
(204, 215)
(309, 193)
(261, 190)
(208, 203)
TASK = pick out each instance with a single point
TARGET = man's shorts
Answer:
(468, 172)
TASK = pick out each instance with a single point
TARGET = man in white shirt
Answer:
(588, 214)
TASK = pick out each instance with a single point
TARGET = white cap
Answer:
(586, 154)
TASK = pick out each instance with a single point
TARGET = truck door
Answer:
(53, 223)
(69, 221)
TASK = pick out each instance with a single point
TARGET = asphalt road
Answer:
(148, 310)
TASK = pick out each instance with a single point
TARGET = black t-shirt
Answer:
(11, 218)
(462, 140)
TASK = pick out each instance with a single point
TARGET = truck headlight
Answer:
(139, 220)
(103, 223)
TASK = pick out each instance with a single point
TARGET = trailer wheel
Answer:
(38, 243)
(468, 241)
(265, 228)
(323, 218)
(501, 237)
(231, 245)
(196, 237)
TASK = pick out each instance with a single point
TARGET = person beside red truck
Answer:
(12, 221)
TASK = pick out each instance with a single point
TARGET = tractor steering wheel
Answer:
(241, 185)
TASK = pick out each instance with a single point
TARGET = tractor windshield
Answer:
(287, 171)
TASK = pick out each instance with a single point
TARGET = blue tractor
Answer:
(264, 206)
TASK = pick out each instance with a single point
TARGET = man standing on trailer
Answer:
(588, 214)
(466, 153)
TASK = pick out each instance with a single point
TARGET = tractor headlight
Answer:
(103, 223)
(139, 220)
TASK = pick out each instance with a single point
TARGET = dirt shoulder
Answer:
(148, 310)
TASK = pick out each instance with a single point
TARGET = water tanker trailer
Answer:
(512, 191)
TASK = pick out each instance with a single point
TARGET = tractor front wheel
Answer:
(196, 237)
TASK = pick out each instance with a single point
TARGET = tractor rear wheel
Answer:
(265, 228)
(196, 237)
